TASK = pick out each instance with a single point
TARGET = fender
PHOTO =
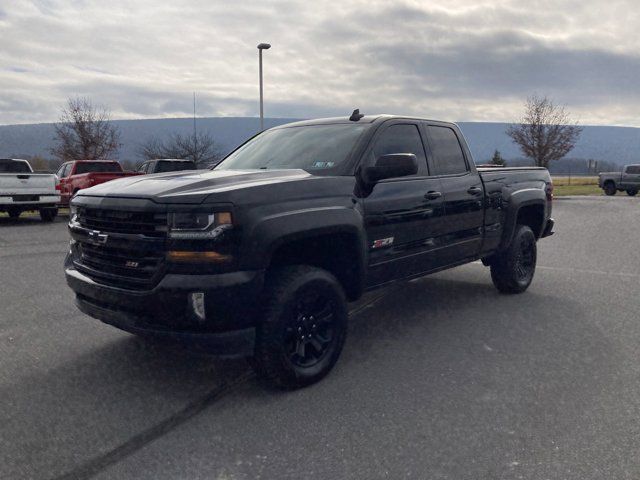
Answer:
(515, 202)
(274, 231)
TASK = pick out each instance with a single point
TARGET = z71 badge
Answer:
(383, 242)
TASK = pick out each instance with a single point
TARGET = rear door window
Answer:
(447, 152)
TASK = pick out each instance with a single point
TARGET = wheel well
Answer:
(533, 217)
(337, 253)
(610, 182)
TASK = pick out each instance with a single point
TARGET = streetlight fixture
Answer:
(262, 46)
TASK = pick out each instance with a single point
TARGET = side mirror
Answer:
(391, 166)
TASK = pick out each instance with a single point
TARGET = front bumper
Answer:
(165, 311)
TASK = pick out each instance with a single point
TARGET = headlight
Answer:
(195, 225)
(73, 215)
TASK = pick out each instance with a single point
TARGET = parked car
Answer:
(628, 180)
(165, 165)
(259, 256)
(22, 190)
(79, 174)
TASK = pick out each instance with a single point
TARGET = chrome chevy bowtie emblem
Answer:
(97, 238)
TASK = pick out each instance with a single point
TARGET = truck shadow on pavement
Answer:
(129, 392)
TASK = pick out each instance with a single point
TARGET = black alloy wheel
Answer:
(303, 328)
(525, 260)
(512, 270)
(310, 334)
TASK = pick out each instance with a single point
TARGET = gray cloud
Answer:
(473, 60)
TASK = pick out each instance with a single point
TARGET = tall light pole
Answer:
(262, 46)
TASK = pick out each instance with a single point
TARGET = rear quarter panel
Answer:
(506, 191)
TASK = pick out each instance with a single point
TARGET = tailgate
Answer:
(27, 184)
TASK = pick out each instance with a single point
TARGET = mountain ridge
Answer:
(612, 144)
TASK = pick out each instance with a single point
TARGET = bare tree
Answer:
(546, 132)
(85, 132)
(200, 147)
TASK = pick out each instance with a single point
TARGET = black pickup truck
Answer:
(259, 256)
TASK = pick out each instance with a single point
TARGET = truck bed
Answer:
(515, 174)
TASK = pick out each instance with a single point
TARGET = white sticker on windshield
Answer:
(323, 164)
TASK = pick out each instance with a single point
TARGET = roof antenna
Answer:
(356, 115)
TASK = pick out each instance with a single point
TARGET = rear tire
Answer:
(610, 189)
(512, 270)
(303, 328)
(48, 214)
(14, 213)
(632, 193)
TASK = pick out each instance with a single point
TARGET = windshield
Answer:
(318, 149)
(97, 167)
(12, 166)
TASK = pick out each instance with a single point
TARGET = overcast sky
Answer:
(455, 60)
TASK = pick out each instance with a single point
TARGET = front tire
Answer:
(512, 270)
(610, 189)
(303, 328)
(48, 214)
(632, 193)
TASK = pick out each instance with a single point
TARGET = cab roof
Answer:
(365, 119)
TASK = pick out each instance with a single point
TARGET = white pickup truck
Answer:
(22, 190)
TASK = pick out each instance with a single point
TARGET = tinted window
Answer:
(174, 166)
(319, 149)
(13, 166)
(446, 150)
(400, 139)
(633, 169)
(97, 167)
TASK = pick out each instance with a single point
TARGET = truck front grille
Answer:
(117, 221)
(129, 269)
(133, 263)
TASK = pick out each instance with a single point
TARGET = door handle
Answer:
(432, 195)
(474, 191)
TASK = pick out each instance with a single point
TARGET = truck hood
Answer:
(191, 186)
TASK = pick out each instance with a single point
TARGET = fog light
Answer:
(197, 305)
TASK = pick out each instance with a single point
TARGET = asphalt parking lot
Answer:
(441, 378)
